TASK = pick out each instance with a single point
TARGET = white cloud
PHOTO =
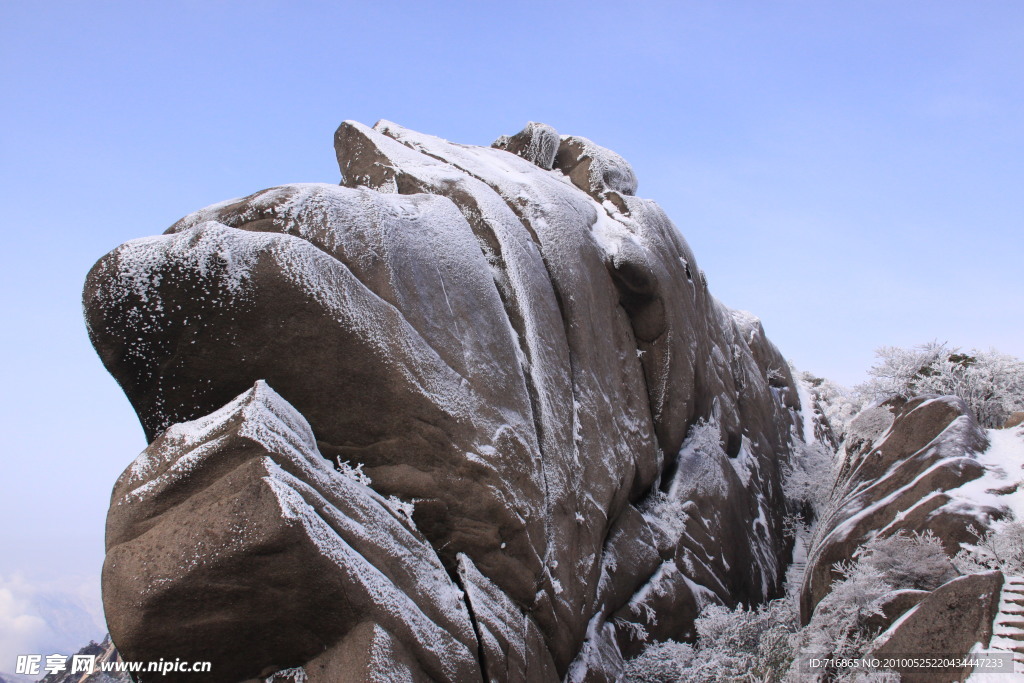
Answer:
(47, 617)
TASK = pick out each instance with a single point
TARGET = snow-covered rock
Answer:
(594, 169)
(524, 358)
(906, 466)
(947, 624)
(537, 143)
(106, 657)
(235, 528)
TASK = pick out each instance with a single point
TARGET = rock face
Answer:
(948, 622)
(239, 514)
(567, 441)
(894, 605)
(903, 462)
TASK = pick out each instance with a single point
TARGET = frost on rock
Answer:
(251, 472)
(537, 143)
(594, 169)
(523, 379)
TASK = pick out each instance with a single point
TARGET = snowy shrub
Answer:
(403, 508)
(899, 371)
(808, 479)
(1001, 548)
(914, 560)
(838, 627)
(763, 644)
(732, 645)
(700, 457)
(293, 675)
(356, 473)
(634, 630)
(704, 437)
(989, 382)
(867, 677)
(666, 511)
(660, 663)
(744, 644)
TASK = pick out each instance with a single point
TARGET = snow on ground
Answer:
(1004, 472)
(806, 409)
(1002, 485)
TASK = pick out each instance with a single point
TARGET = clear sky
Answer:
(851, 172)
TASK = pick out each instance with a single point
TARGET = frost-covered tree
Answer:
(661, 662)
(989, 382)
(1001, 548)
(704, 450)
(807, 484)
(839, 626)
(808, 478)
(765, 644)
(731, 643)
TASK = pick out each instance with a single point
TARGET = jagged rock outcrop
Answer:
(235, 527)
(903, 462)
(537, 143)
(515, 349)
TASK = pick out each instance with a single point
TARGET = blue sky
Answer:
(850, 172)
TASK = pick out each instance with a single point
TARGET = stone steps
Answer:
(1008, 625)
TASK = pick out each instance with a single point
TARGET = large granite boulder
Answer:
(516, 351)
